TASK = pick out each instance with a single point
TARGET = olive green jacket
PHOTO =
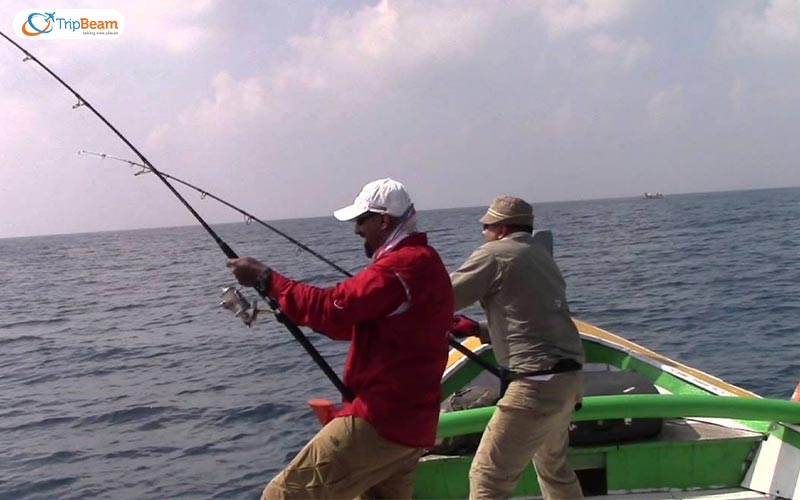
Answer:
(523, 293)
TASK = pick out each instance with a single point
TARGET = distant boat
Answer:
(653, 196)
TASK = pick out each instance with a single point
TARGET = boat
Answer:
(656, 428)
(653, 196)
(715, 440)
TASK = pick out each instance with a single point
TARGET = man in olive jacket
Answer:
(536, 344)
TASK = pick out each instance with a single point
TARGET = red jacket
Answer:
(396, 313)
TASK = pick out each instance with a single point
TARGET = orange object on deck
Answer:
(796, 395)
(323, 409)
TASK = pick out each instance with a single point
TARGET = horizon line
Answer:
(145, 228)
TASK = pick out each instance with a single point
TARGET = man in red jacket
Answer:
(396, 314)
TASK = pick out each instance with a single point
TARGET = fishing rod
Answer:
(226, 249)
(237, 303)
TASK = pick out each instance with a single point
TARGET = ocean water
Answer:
(120, 377)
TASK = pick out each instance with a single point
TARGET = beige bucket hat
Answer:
(509, 210)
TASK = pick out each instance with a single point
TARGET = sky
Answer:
(287, 108)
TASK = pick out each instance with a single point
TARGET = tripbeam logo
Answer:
(69, 23)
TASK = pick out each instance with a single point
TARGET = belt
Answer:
(562, 366)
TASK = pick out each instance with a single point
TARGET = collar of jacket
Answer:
(413, 239)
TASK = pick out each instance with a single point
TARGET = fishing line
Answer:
(455, 344)
(205, 194)
(279, 315)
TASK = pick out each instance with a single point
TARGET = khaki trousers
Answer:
(347, 459)
(531, 422)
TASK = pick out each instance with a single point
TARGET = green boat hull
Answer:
(715, 435)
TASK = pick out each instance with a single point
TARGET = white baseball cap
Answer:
(384, 196)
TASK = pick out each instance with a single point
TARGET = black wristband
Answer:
(263, 282)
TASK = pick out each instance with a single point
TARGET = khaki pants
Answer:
(531, 422)
(347, 458)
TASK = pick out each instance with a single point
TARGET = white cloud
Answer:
(627, 52)
(21, 125)
(775, 29)
(158, 137)
(386, 37)
(232, 108)
(739, 95)
(566, 121)
(232, 100)
(416, 89)
(347, 57)
(668, 107)
(354, 58)
(748, 97)
(568, 16)
(177, 26)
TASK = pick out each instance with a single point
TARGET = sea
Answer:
(122, 378)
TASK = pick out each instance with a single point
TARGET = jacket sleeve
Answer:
(372, 294)
(477, 277)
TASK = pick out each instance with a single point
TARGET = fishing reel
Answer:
(235, 301)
